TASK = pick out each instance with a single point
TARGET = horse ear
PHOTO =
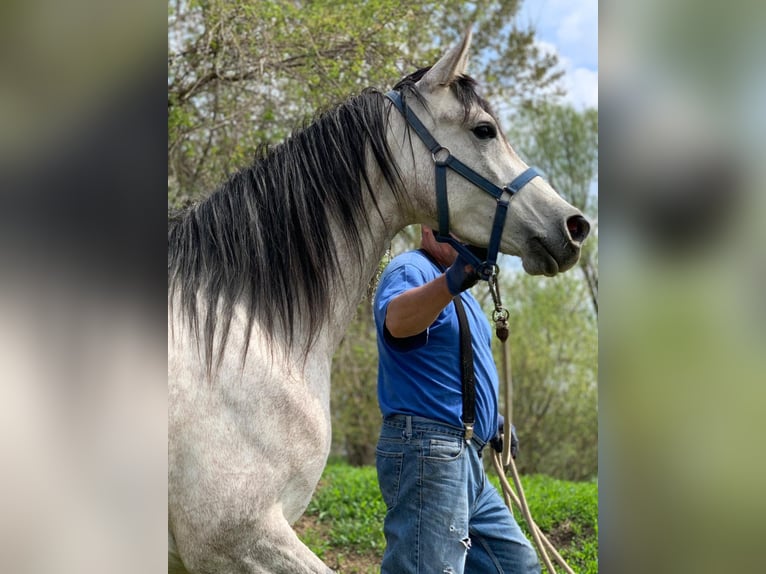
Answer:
(450, 66)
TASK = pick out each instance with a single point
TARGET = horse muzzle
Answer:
(550, 256)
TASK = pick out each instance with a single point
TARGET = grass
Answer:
(343, 524)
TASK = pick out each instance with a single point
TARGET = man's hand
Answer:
(497, 440)
(461, 276)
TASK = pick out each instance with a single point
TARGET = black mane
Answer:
(264, 237)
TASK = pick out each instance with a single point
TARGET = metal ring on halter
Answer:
(500, 314)
(491, 272)
(438, 151)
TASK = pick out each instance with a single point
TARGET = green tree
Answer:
(354, 401)
(554, 364)
(563, 142)
(243, 74)
(553, 321)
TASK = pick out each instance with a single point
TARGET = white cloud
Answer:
(580, 82)
(582, 87)
(569, 28)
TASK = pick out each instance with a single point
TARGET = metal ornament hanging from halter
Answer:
(500, 314)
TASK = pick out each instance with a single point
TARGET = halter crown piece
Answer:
(443, 159)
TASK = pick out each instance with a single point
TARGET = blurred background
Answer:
(681, 384)
(83, 400)
(84, 203)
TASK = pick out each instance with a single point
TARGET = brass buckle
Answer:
(468, 431)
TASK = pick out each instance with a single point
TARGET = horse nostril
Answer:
(578, 228)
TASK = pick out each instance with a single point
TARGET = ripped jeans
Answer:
(443, 515)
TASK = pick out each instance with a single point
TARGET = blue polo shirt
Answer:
(421, 375)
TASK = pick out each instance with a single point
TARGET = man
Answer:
(443, 515)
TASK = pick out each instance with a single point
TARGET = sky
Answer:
(569, 28)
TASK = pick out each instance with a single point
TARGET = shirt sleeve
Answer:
(393, 283)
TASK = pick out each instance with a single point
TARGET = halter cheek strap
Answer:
(443, 159)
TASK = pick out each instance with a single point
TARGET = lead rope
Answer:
(500, 318)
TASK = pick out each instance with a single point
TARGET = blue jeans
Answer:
(443, 515)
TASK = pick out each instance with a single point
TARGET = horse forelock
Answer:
(265, 237)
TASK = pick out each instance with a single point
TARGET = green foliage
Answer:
(348, 501)
(354, 400)
(567, 512)
(343, 524)
(563, 142)
(554, 350)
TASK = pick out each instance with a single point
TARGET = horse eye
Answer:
(484, 131)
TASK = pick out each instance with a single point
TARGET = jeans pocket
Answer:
(389, 467)
(443, 467)
(445, 450)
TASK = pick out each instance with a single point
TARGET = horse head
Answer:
(540, 227)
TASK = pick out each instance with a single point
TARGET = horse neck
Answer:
(394, 212)
(384, 224)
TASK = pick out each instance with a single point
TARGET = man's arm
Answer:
(413, 311)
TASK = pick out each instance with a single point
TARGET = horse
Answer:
(265, 275)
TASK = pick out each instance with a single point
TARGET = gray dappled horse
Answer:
(265, 275)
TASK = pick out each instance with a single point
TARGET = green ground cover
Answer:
(343, 524)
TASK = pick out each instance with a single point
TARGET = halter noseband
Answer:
(443, 159)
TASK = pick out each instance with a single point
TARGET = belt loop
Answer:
(407, 433)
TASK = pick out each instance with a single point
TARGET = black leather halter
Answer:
(443, 159)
